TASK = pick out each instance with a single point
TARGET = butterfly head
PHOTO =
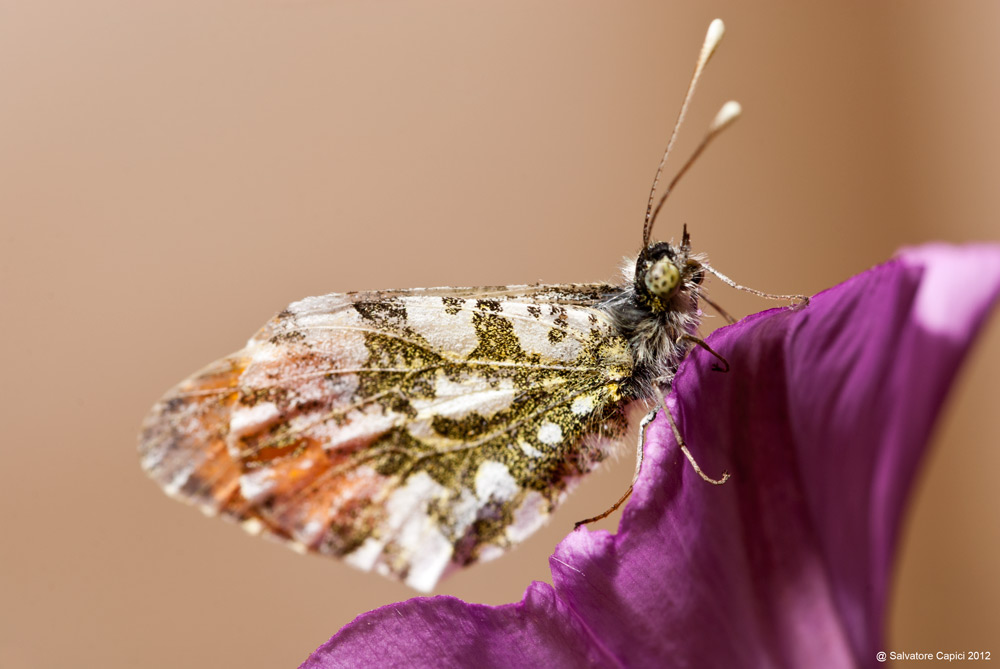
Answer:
(664, 271)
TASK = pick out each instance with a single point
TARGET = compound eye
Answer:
(663, 278)
(697, 273)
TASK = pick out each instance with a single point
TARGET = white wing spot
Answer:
(416, 536)
(257, 484)
(253, 526)
(311, 532)
(493, 481)
(489, 552)
(366, 555)
(529, 450)
(245, 420)
(533, 333)
(424, 546)
(180, 477)
(451, 333)
(472, 394)
(430, 557)
(582, 405)
(528, 517)
(549, 433)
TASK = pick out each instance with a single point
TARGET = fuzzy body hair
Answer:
(657, 337)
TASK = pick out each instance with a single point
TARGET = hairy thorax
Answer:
(658, 329)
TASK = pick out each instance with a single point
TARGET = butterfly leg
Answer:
(683, 446)
(722, 312)
(647, 419)
(701, 342)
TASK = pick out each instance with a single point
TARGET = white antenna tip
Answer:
(716, 29)
(729, 113)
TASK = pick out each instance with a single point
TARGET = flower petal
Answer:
(540, 631)
(821, 421)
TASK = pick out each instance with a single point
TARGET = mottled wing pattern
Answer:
(408, 432)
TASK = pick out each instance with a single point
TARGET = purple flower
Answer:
(822, 422)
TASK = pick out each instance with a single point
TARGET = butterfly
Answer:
(412, 432)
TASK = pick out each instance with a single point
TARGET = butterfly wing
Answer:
(408, 432)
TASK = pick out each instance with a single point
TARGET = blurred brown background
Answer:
(173, 173)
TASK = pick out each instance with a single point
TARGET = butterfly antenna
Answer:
(716, 29)
(729, 113)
